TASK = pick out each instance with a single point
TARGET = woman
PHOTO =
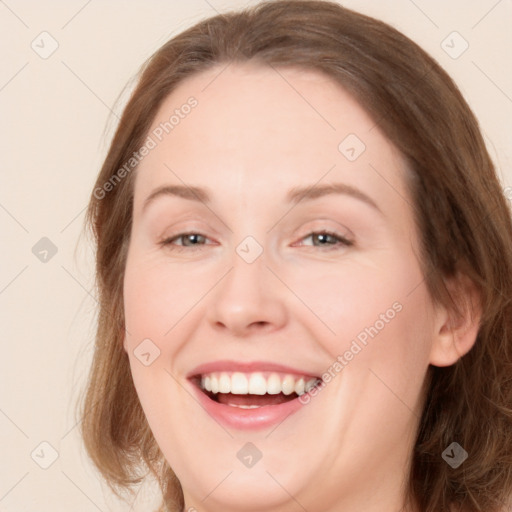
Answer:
(304, 261)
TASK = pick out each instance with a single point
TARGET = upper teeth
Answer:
(256, 383)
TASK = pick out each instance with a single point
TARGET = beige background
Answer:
(56, 122)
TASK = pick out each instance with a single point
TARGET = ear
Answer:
(455, 334)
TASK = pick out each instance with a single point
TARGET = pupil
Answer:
(192, 238)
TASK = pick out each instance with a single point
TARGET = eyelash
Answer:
(342, 241)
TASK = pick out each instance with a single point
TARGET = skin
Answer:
(251, 138)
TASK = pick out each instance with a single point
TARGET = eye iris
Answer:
(192, 237)
(323, 237)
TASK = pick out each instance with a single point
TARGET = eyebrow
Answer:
(295, 195)
(186, 192)
(298, 194)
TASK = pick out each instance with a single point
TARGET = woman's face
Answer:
(300, 262)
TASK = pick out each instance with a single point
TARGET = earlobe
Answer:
(455, 333)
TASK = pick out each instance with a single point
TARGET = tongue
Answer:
(229, 398)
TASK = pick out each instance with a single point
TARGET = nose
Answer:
(248, 299)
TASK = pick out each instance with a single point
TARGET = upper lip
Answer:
(247, 367)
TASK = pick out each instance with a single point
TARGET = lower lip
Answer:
(248, 419)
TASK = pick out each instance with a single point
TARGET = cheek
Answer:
(379, 351)
(375, 313)
(158, 295)
(351, 295)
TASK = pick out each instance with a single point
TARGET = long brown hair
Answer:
(460, 210)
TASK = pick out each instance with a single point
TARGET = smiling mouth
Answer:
(253, 390)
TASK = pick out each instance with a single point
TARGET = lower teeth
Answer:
(245, 406)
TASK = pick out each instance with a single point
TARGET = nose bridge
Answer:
(248, 297)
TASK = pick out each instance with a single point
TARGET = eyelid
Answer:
(342, 241)
(168, 239)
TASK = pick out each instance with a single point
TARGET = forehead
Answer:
(261, 107)
(255, 124)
